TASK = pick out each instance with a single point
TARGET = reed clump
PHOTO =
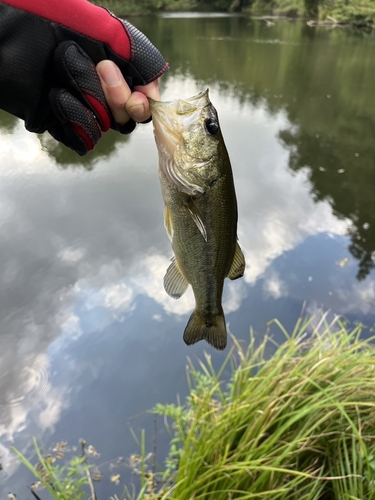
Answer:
(299, 425)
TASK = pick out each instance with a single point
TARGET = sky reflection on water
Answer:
(88, 337)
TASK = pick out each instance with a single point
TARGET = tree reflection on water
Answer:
(322, 79)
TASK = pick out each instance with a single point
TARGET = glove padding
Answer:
(47, 66)
(79, 104)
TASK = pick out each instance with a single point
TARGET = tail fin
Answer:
(213, 330)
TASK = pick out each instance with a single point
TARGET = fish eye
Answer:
(211, 126)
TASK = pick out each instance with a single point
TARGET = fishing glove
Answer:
(48, 53)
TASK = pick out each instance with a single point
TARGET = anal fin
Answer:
(238, 265)
(175, 283)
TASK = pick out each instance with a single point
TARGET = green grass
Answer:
(355, 12)
(300, 425)
(62, 482)
(359, 12)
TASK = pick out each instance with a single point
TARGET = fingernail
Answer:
(109, 73)
(137, 112)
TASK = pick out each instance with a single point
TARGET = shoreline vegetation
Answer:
(294, 421)
(359, 13)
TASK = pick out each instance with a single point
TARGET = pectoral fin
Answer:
(238, 265)
(174, 282)
(194, 212)
(168, 222)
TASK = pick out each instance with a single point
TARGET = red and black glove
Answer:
(48, 53)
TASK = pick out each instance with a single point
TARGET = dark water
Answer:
(89, 340)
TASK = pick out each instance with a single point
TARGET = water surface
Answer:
(89, 340)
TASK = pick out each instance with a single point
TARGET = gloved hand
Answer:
(48, 53)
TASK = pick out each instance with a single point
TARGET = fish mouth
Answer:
(180, 106)
(171, 119)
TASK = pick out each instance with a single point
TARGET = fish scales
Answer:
(200, 211)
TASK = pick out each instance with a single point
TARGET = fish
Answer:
(200, 211)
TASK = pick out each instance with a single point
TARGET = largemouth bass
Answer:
(200, 211)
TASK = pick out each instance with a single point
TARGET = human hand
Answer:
(48, 73)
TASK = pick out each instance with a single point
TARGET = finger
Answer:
(138, 105)
(116, 90)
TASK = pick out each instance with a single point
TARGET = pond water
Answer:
(89, 340)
